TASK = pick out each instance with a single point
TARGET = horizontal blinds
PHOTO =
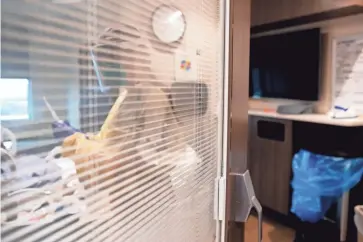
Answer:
(106, 134)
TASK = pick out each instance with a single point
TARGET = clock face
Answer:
(168, 24)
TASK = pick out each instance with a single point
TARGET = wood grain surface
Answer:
(267, 11)
(270, 164)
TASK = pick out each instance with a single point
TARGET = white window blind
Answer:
(123, 140)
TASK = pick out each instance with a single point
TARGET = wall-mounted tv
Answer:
(286, 65)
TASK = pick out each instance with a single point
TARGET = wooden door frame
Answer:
(238, 96)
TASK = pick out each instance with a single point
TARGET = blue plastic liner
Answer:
(319, 181)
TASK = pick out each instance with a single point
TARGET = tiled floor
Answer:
(272, 232)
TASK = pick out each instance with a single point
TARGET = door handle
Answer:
(256, 204)
(245, 199)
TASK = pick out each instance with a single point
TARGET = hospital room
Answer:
(181, 121)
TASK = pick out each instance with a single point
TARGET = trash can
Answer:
(358, 218)
(319, 181)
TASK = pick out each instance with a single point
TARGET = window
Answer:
(14, 97)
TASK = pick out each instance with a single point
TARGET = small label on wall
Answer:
(186, 68)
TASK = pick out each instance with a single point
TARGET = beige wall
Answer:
(330, 30)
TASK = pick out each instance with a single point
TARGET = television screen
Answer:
(286, 65)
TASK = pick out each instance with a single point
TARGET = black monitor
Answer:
(286, 66)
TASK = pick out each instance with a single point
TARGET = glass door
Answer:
(112, 127)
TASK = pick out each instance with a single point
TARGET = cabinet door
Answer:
(269, 160)
(269, 11)
(326, 5)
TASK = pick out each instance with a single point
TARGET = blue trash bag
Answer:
(319, 181)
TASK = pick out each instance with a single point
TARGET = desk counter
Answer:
(311, 118)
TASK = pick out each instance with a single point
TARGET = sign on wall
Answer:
(186, 67)
(348, 72)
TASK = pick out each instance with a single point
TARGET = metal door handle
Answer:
(256, 204)
(245, 200)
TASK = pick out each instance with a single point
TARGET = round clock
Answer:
(168, 24)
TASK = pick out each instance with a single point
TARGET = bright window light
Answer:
(14, 99)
